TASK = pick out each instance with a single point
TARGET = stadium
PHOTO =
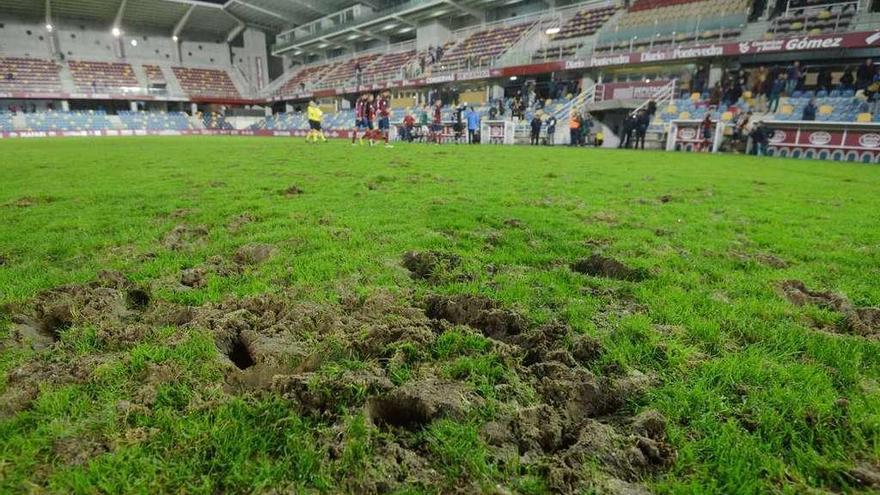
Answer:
(610, 247)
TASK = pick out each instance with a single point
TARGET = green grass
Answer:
(751, 390)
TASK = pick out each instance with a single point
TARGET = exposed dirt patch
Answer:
(291, 191)
(766, 259)
(857, 321)
(3, 260)
(183, 237)
(514, 223)
(77, 451)
(180, 213)
(478, 312)
(238, 222)
(414, 405)
(601, 266)
(666, 198)
(332, 360)
(193, 277)
(253, 254)
(28, 201)
(429, 265)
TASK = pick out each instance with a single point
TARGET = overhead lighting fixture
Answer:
(353, 37)
(406, 29)
(553, 30)
(323, 45)
(49, 27)
(389, 26)
(298, 52)
(134, 42)
(513, 78)
(175, 38)
(116, 32)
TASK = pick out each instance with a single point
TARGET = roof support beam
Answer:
(48, 12)
(473, 13)
(261, 10)
(119, 13)
(234, 31)
(314, 7)
(182, 22)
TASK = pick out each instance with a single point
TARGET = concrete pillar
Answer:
(133, 106)
(267, 111)
(193, 109)
(288, 108)
(432, 34)
(65, 105)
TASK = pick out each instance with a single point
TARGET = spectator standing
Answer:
(823, 80)
(574, 128)
(793, 78)
(642, 122)
(776, 93)
(810, 110)
(536, 131)
(760, 138)
(706, 133)
(437, 123)
(865, 74)
(626, 131)
(551, 130)
(516, 106)
(847, 80)
(586, 128)
(473, 124)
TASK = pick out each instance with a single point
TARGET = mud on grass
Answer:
(507, 363)
(416, 380)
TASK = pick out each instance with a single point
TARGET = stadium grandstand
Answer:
(255, 65)
(429, 247)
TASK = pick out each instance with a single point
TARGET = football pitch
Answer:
(259, 315)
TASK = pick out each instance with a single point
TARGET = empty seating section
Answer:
(154, 73)
(206, 82)
(303, 79)
(480, 48)
(103, 77)
(388, 67)
(216, 121)
(28, 75)
(816, 19)
(155, 121)
(584, 23)
(658, 23)
(344, 72)
(5, 122)
(67, 121)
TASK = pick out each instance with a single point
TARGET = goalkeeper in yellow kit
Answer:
(315, 115)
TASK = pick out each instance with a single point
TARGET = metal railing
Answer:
(811, 15)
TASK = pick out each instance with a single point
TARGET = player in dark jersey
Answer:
(370, 113)
(437, 122)
(383, 114)
(361, 123)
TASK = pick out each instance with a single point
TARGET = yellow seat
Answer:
(863, 117)
(727, 116)
(671, 109)
(786, 109)
(826, 110)
(684, 115)
(695, 97)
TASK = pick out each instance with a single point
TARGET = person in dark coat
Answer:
(810, 110)
(642, 123)
(551, 130)
(536, 131)
(626, 131)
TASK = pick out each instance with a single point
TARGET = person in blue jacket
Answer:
(473, 125)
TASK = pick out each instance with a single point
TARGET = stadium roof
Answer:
(214, 17)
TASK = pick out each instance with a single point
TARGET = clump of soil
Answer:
(767, 259)
(3, 260)
(666, 198)
(193, 277)
(858, 321)
(28, 201)
(180, 213)
(601, 266)
(184, 237)
(514, 223)
(291, 191)
(253, 254)
(239, 221)
(416, 404)
(105, 302)
(478, 312)
(428, 265)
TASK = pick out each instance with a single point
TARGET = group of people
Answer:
(635, 127)
(372, 114)
(580, 128)
(769, 84)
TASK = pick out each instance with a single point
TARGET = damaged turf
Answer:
(332, 361)
(857, 321)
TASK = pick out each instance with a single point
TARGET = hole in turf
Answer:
(138, 298)
(240, 355)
